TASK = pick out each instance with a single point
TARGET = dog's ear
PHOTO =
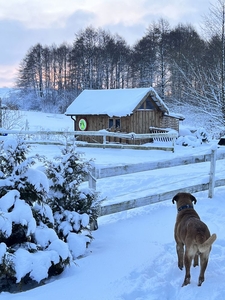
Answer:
(193, 199)
(174, 199)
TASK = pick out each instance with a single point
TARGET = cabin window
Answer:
(114, 123)
(142, 106)
(110, 123)
(117, 123)
(146, 105)
(149, 104)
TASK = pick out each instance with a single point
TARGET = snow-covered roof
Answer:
(181, 117)
(113, 102)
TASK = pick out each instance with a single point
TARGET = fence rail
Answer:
(133, 200)
(104, 172)
(111, 208)
(162, 137)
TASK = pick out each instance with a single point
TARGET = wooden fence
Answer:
(160, 141)
(133, 202)
(129, 202)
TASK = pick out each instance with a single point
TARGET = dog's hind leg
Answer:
(188, 257)
(195, 260)
(203, 263)
(187, 278)
(180, 255)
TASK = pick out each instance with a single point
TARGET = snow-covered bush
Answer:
(192, 137)
(44, 216)
(202, 134)
(73, 208)
(29, 246)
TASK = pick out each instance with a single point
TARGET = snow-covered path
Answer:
(133, 257)
(151, 245)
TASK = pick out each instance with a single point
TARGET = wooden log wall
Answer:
(138, 122)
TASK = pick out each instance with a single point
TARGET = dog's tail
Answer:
(207, 244)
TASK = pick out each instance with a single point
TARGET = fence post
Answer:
(92, 179)
(212, 173)
(173, 143)
(104, 139)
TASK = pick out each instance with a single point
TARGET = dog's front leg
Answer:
(180, 255)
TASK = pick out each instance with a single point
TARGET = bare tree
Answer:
(215, 30)
(150, 57)
(186, 52)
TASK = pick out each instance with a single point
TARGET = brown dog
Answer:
(192, 233)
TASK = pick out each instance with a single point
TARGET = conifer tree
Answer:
(29, 246)
(73, 208)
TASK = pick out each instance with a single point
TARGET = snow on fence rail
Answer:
(104, 172)
(51, 136)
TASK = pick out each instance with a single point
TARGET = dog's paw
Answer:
(200, 281)
(180, 266)
(186, 281)
(195, 265)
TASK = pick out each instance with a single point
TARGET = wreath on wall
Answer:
(82, 124)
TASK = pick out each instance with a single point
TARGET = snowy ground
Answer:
(133, 255)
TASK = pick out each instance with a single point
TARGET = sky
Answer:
(24, 23)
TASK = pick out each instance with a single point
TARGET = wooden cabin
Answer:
(125, 110)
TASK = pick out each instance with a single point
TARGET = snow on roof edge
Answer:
(117, 103)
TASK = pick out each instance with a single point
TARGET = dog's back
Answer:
(190, 229)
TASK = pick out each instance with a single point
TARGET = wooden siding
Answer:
(138, 122)
(94, 122)
(141, 120)
(169, 122)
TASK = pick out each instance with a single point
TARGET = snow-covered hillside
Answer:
(32, 120)
(133, 255)
(4, 91)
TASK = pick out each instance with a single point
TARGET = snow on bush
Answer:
(36, 264)
(68, 221)
(73, 207)
(45, 213)
(44, 236)
(60, 248)
(183, 131)
(192, 137)
(44, 217)
(77, 244)
(71, 227)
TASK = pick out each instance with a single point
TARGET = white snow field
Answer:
(133, 255)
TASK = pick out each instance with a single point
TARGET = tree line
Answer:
(182, 65)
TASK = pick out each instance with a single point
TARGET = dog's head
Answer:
(183, 199)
